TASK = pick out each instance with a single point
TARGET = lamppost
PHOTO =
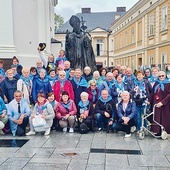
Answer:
(108, 35)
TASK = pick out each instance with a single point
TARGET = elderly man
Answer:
(18, 112)
(105, 110)
(79, 84)
(108, 83)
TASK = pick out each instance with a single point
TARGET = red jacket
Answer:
(67, 87)
(61, 111)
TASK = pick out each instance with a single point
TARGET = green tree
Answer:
(58, 20)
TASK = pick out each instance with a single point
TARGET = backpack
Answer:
(83, 128)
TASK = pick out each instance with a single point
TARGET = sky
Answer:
(67, 8)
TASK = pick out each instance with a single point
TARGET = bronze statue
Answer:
(79, 50)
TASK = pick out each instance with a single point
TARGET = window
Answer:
(151, 25)
(126, 38)
(99, 47)
(120, 40)
(132, 35)
(150, 60)
(164, 60)
(164, 18)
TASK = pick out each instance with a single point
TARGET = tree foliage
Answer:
(58, 20)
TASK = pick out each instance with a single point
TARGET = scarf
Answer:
(66, 105)
(2, 72)
(110, 83)
(62, 82)
(58, 59)
(105, 101)
(27, 80)
(82, 82)
(94, 92)
(53, 103)
(161, 84)
(39, 108)
(129, 79)
(52, 79)
(140, 84)
(83, 106)
(119, 86)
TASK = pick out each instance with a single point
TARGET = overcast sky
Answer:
(67, 8)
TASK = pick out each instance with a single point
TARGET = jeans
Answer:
(101, 118)
(140, 112)
(21, 129)
(122, 127)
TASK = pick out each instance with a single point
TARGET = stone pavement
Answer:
(49, 152)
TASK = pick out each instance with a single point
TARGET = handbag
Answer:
(38, 121)
(139, 101)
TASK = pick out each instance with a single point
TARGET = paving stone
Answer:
(96, 158)
(45, 166)
(15, 163)
(77, 165)
(115, 159)
(115, 167)
(143, 160)
(95, 167)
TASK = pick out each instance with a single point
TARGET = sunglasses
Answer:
(161, 76)
(93, 85)
(62, 75)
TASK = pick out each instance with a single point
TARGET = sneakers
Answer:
(30, 133)
(133, 129)
(47, 132)
(1, 132)
(71, 130)
(65, 129)
(127, 135)
(99, 129)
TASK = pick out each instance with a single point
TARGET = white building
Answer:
(24, 24)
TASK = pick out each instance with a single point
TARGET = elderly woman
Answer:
(45, 110)
(161, 97)
(9, 86)
(85, 112)
(126, 114)
(97, 78)
(66, 112)
(118, 87)
(103, 72)
(140, 94)
(41, 84)
(93, 92)
(62, 84)
(87, 73)
(24, 84)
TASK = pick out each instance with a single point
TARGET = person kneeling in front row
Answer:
(126, 114)
(42, 116)
(18, 112)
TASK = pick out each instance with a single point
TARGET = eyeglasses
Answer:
(62, 75)
(93, 85)
(161, 76)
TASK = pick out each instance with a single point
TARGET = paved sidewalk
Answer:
(50, 152)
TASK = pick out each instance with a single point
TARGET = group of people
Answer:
(52, 95)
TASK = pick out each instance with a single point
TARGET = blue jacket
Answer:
(114, 92)
(13, 114)
(78, 90)
(129, 112)
(2, 106)
(40, 85)
(8, 88)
